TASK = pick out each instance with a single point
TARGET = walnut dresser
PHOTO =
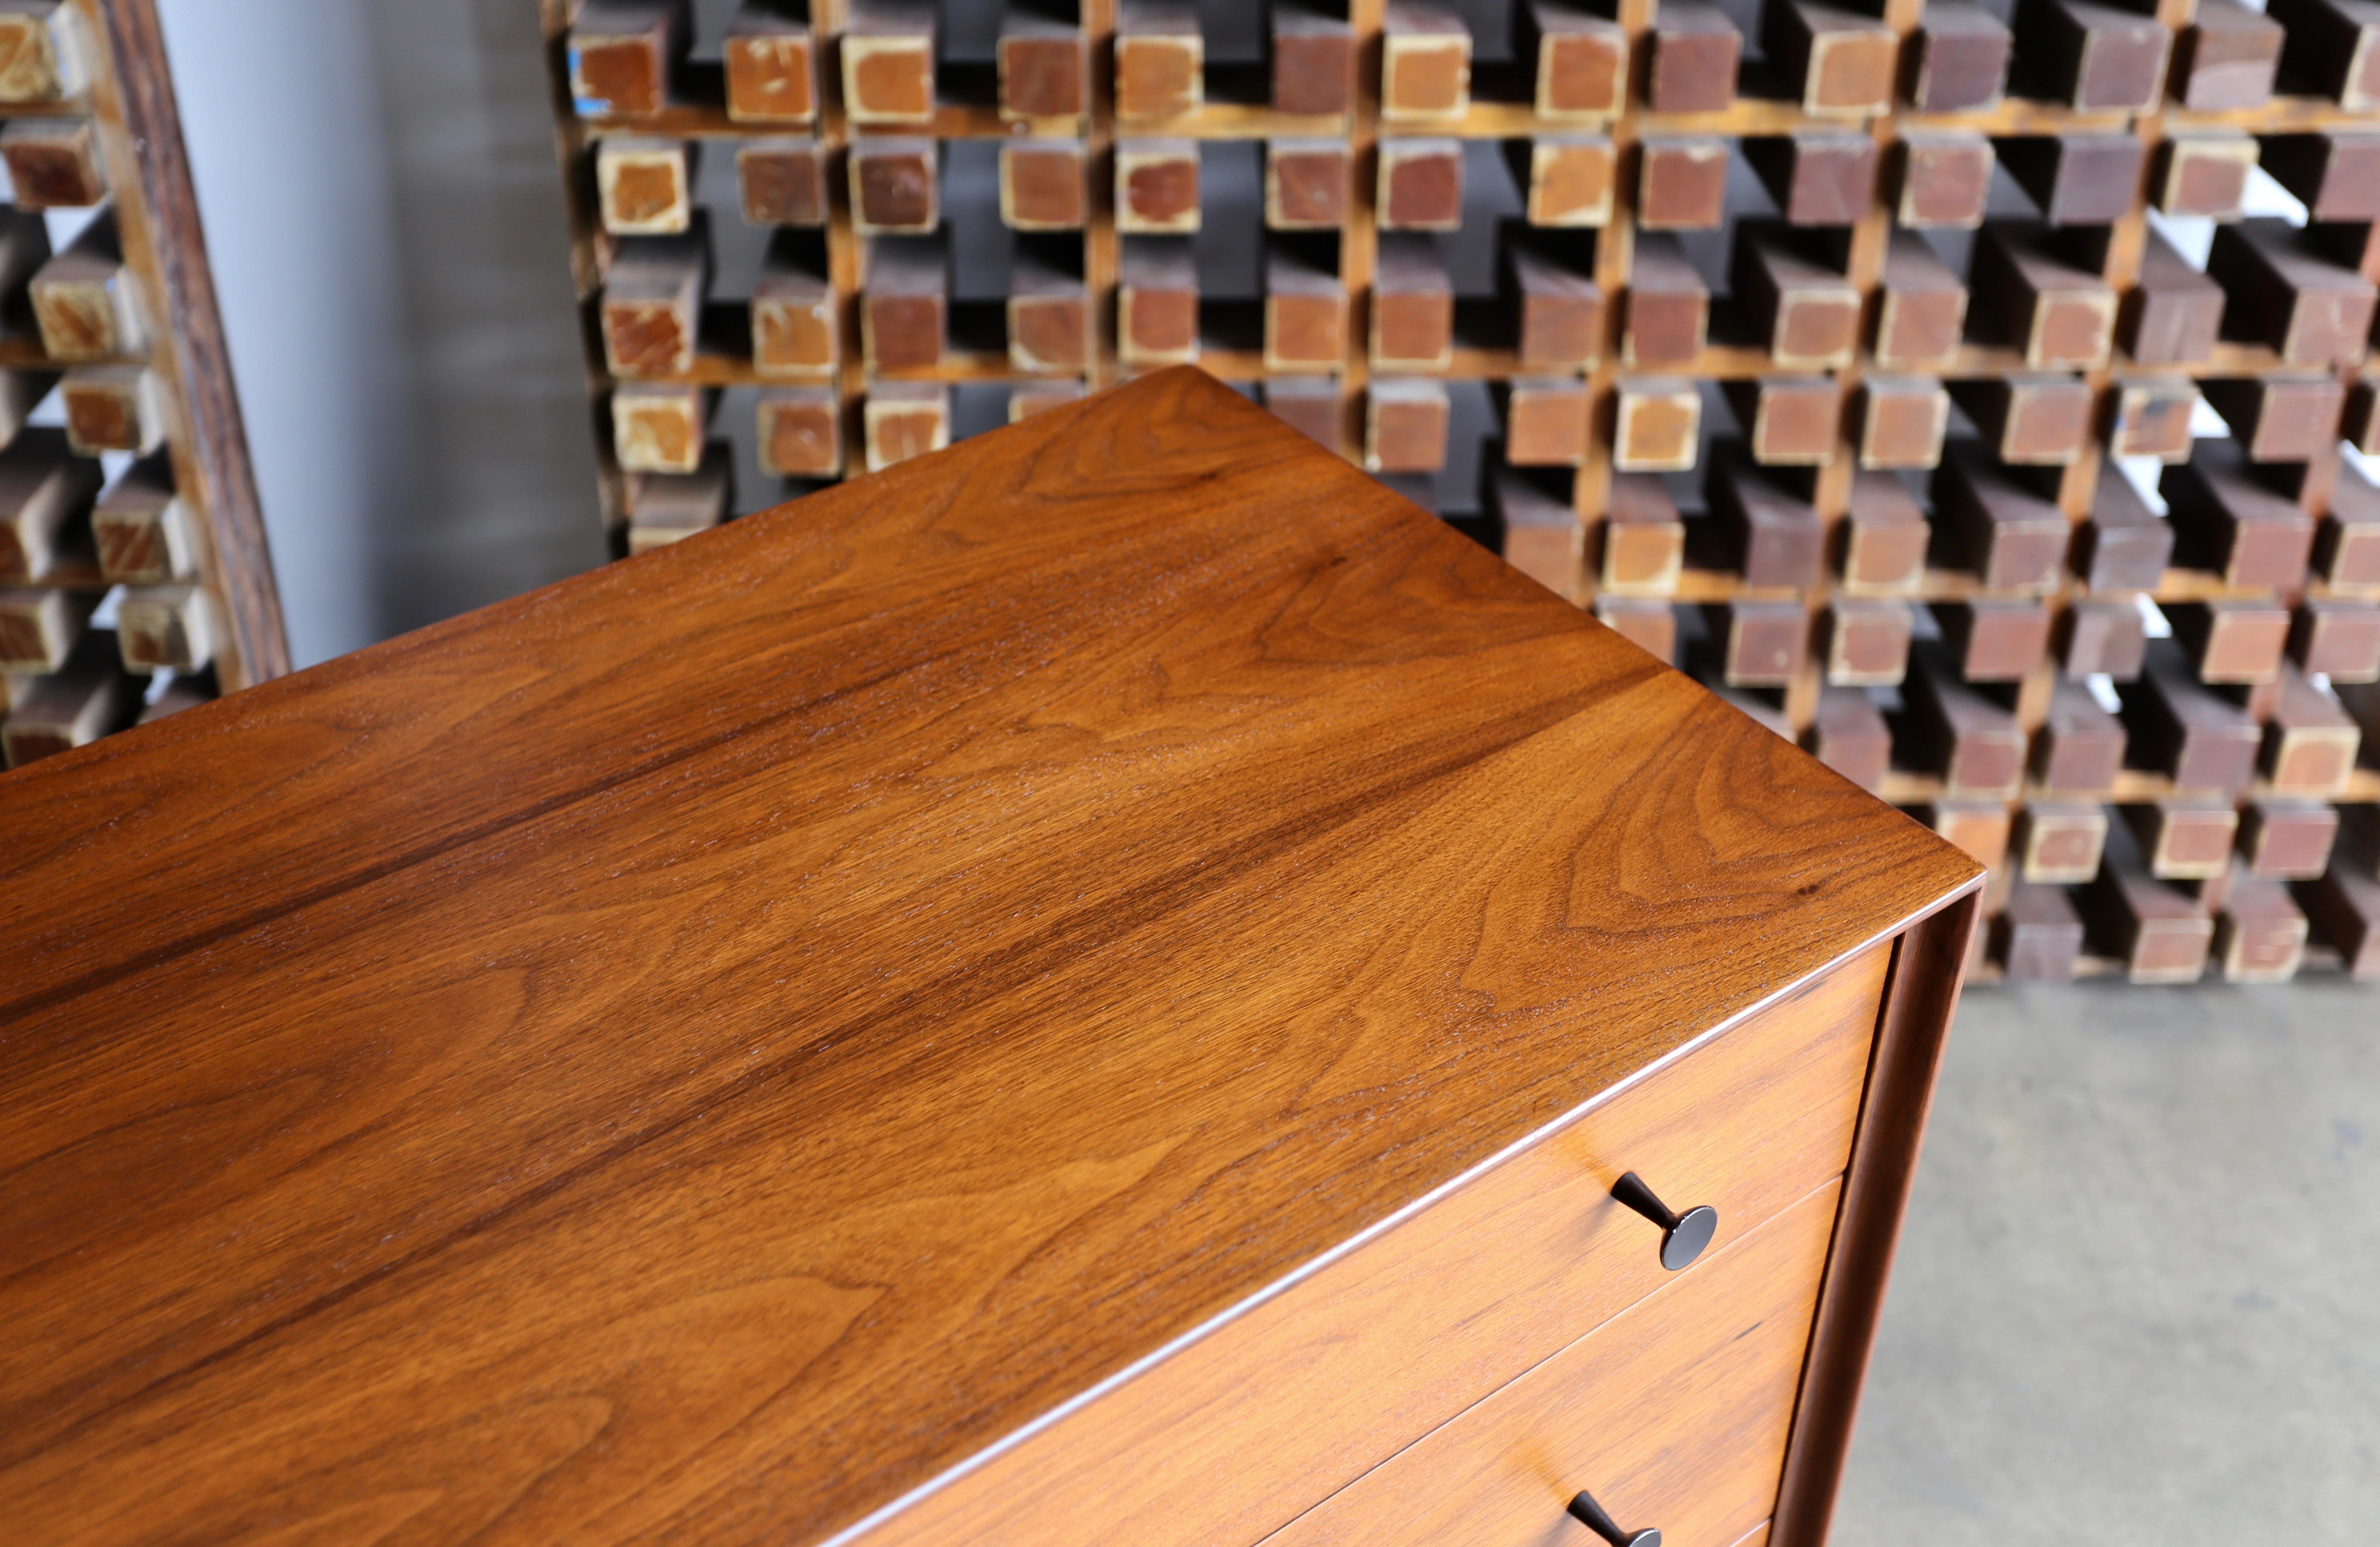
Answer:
(1119, 983)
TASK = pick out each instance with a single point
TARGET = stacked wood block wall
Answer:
(1973, 392)
(134, 579)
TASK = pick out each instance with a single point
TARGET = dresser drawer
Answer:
(1674, 1415)
(1242, 1430)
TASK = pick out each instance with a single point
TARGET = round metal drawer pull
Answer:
(1684, 1236)
(1584, 1509)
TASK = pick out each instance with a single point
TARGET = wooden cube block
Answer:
(2335, 176)
(1538, 535)
(1651, 626)
(903, 311)
(166, 628)
(1570, 179)
(1990, 523)
(2061, 317)
(2288, 840)
(1995, 641)
(905, 420)
(143, 531)
(39, 629)
(1968, 741)
(1581, 61)
(1420, 185)
(783, 182)
(2033, 420)
(2153, 417)
(1561, 317)
(2125, 546)
(1807, 315)
(2203, 175)
(888, 62)
(771, 68)
(2224, 520)
(1902, 421)
(1681, 184)
(2347, 552)
(54, 163)
(2159, 932)
(2059, 844)
(1848, 735)
(644, 186)
(1793, 420)
(2280, 291)
(1697, 48)
(1771, 537)
(620, 56)
(1545, 421)
(1313, 62)
(1761, 644)
(2311, 743)
(794, 328)
(2078, 179)
(1668, 305)
(43, 52)
(115, 409)
(2344, 909)
(1981, 828)
(1867, 643)
(651, 307)
(1643, 539)
(2101, 640)
(2184, 839)
(1921, 307)
(2202, 742)
(1942, 179)
(46, 495)
(1048, 319)
(1044, 69)
(2259, 935)
(86, 302)
(895, 187)
(2281, 419)
(800, 432)
(2224, 60)
(1306, 314)
(1043, 184)
(2172, 315)
(2079, 750)
(1816, 179)
(2334, 46)
(2340, 640)
(1412, 305)
(74, 705)
(1835, 61)
(1404, 427)
(658, 427)
(1424, 62)
(1156, 186)
(2096, 58)
(1309, 405)
(1961, 58)
(665, 508)
(2037, 935)
(1884, 537)
(1156, 302)
(1308, 185)
(1657, 424)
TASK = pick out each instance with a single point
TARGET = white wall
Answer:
(377, 182)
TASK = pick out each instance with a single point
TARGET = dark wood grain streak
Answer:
(218, 439)
(697, 1051)
(1928, 968)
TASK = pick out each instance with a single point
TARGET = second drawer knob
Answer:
(1684, 1236)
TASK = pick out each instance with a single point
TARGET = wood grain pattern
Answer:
(1673, 1416)
(499, 1083)
(1302, 1394)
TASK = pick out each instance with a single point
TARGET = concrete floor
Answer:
(2138, 1295)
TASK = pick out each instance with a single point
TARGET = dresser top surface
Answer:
(697, 1050)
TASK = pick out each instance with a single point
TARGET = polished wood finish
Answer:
(682, 1073)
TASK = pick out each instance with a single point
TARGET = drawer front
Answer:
(1283, 1406)
(1674, 1415)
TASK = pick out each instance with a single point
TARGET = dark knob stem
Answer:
(1684, 1236)
(1585, 1509)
